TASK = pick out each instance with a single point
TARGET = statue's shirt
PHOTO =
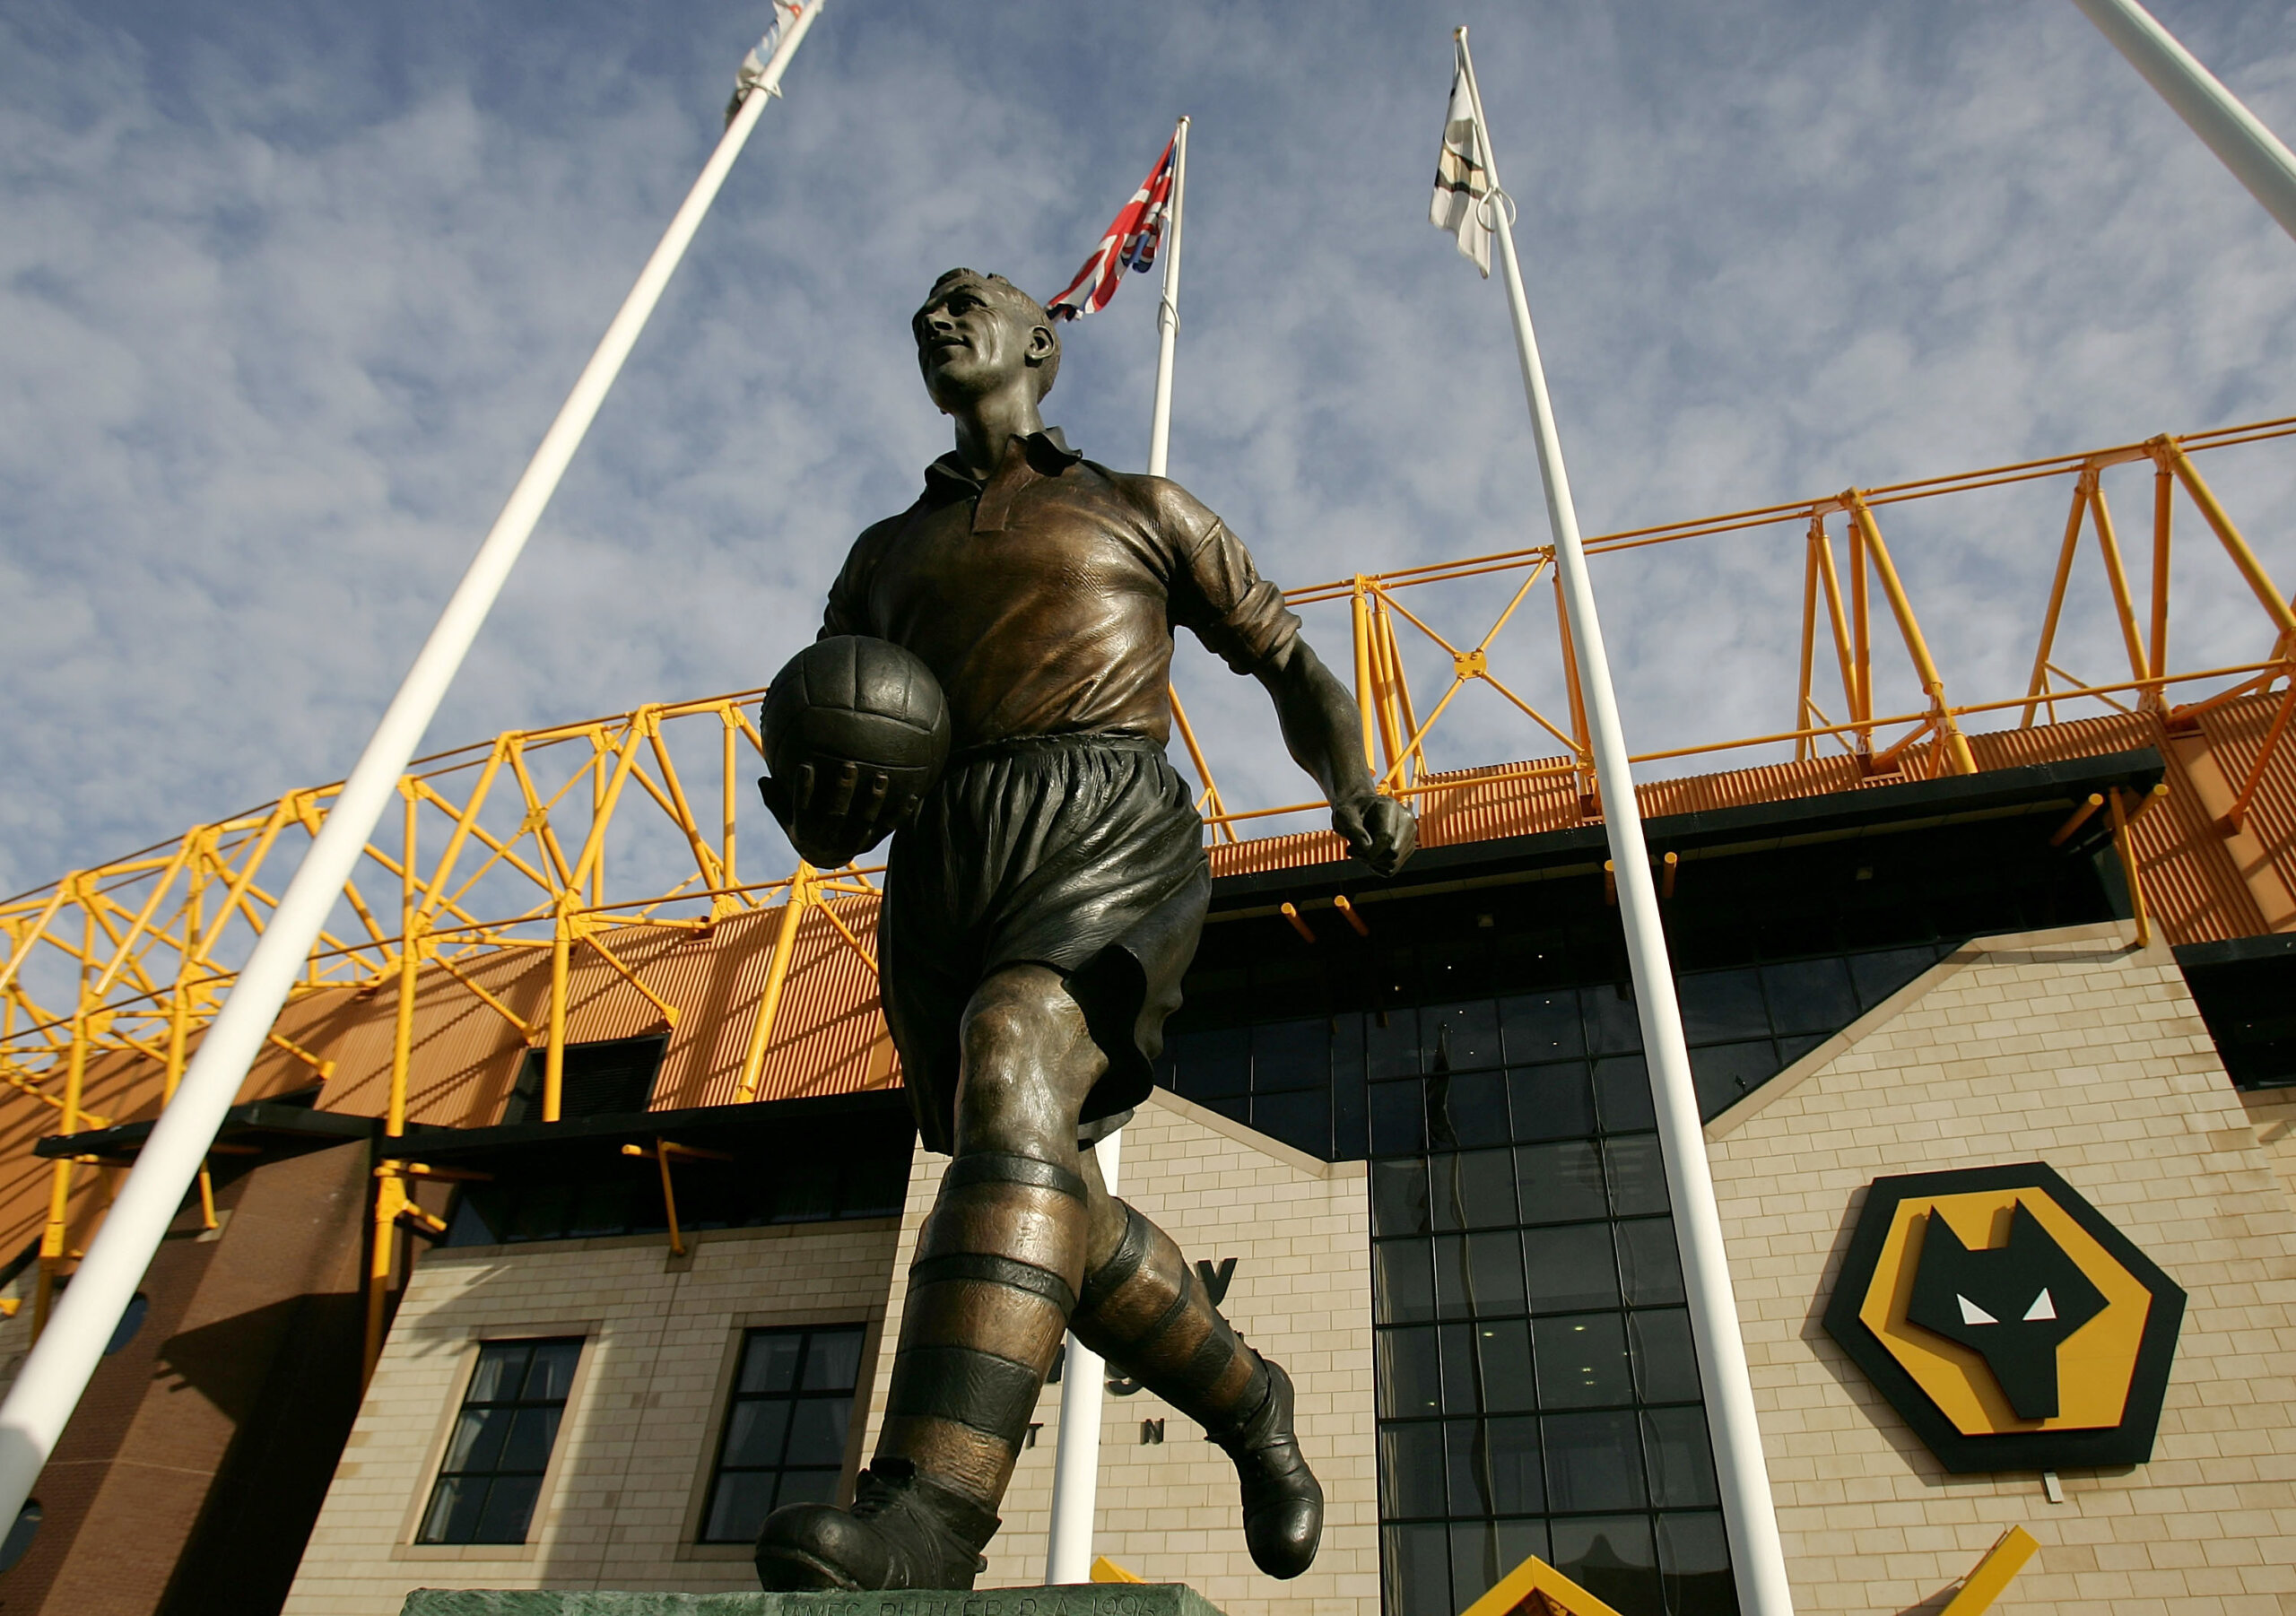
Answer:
(1045, 600)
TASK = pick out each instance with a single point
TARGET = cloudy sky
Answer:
(291, 290)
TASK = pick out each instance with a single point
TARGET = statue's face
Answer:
(971, 341)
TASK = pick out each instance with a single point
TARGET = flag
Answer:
(1133, 237)
(752, 69)
(1461, 180)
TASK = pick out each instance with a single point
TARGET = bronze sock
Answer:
(989, 1295)
(1145, 1311)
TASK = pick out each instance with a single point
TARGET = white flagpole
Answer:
(56, 1372)
(2240, 139)
(1076, 1466)
(1167, 314)
(1083, 1396)
(1758, 1558)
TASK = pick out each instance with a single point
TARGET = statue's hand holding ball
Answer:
(855, 732)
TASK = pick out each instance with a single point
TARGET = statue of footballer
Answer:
(1047, 886)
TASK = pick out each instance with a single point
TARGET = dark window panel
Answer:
(1475, 1560)
(492, 1474)
(1623, 1095)
(1543, 1027)
(1494, 1266)
(1290, 1055)
(1398, 1118)
(1877, 976)
(1725, 1074)
(1302, 1120)
(1417, 1573)
(1582, 1361)
(1213, 1065)
(1594, 1462)
(1399, 1197)
(1391, 1043)
(786, 1430)
(1694, 1564)
(1551, 1102)
(1411, 1470)
(1718, 1005)
(1474, 1189)
(769, 1363)
(542, 1212)
(1613, 1023)
(1455, 966)
(1238, 1109)
(1351, 1118)
(1666, 1363)
(1495, 1467)
(1650, 1270)
(1462, 1390)
(1810, 995)
(1503, 1347)
(1682, 1464)
(1613, 1559)
(817, 1429)
(1571, 1268)
(1410, 1372)
(1405, 1284)
(1792, 1049)
(1560, 1183)
(1468, 1110)
(1464, 1036)
(1637, 1175)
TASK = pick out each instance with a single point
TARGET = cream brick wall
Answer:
(2070, 1049)
(620, 1507)
(1299, 1230)
(2271, 1112)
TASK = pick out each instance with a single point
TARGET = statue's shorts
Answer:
(1081, 853)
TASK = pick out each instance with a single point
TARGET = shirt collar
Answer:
(1040, 454)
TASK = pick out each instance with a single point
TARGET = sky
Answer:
(289, 293)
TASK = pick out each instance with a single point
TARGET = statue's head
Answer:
(976, 333)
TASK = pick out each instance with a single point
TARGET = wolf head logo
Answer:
(2014, 1304)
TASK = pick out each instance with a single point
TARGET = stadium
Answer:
(582, 1134)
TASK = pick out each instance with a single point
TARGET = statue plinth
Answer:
(1078, 1599)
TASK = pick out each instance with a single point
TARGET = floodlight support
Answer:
(55, 1373)
(2255, 155)
(1749, 1515)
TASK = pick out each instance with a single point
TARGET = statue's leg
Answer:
(1144, 1309)
(994, 1279)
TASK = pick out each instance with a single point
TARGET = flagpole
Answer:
(56, 1372)
(1076, 1466)
(2240, 139)
(1750, 1516)
(1167, 314)
(1083, 1395)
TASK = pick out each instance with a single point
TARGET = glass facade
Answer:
(785, 1427)
(1538, 1390)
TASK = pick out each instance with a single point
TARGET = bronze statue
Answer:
(1043, 901)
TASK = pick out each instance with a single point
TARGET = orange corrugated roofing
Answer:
(829, 1035)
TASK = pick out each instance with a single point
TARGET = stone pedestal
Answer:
(1082, 1599)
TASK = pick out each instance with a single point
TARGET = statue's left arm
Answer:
(1324, 733)
(1217, 592)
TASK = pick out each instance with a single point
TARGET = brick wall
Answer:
(1299, 1230)
(2067, 1048)
(633, 1455)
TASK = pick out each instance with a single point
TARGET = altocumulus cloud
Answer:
(291, 291)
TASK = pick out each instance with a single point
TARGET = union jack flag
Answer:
(1134, 235)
